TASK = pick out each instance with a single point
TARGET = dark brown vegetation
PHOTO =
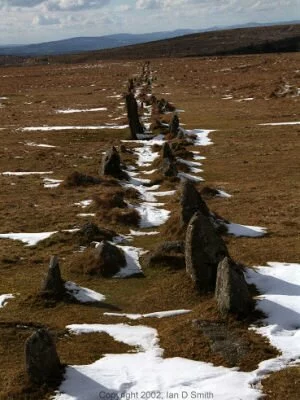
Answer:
(256, 164)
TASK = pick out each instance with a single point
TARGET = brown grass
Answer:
(255, 164)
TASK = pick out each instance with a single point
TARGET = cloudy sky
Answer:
(33, 21)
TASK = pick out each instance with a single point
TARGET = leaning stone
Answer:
(232, 292)
(41, 360)
(204, 249)
(191, 202)
(53, 286)
(109, 259)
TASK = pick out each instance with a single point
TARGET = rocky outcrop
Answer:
(111, 164)
(191, 202)
(232, 292)
(53, 285)
(204, 249)
(133, 116)
(41, 360)
(109, 259)
(168, 253)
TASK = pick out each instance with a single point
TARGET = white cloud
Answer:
(55, 5)
(74, 5)
(45, 20)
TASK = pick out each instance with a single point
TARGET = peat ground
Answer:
(258, 165)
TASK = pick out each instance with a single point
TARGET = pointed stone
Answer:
(167, 151)
(53, 286)
(191, 202)
(41, 360)
(174, 125)
(133, 116)
(232, 292)
(204, 249)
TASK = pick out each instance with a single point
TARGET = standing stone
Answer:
(41, 359)
(232, 292)
(167, 152)
(169, 168)
(204, 249)
(109, 259)
(174, 125)
(130, 85)
(111, 164)
(168, 161)
(191, 202)
(53, 286)
(133, 116)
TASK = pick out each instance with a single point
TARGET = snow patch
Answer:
(4, 298)
(158, 314)
(244, 230)
(82, 294)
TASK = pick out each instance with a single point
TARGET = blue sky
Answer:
(33, 21)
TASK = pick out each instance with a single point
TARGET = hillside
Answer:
(79, 44)
(281, 38)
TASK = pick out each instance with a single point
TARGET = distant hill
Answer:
(83, 44)
(266, 39)
(270, 39)
(79, 44)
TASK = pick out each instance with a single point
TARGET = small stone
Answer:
(109, 259)
(53, 286)
(41, 360)
(232, 292)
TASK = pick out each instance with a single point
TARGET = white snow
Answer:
(84, 203)
(281, 123)
(158, 314)
(77, 110)
(140, 233)
(66, 128)
(133, 265)
(33, 144)
(116, 375)
(30, 239)
(184, 175)
(245, 99)
(82, 294)
(223, 194)
(83, 215)
(51, 183)
(4, 298)
(244, 230)
(122, 374)
(23, 173)
(151, 214)
(279, 285)
(202, 138)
